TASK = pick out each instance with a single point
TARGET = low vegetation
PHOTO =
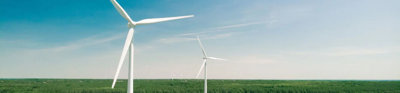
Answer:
(196, 86)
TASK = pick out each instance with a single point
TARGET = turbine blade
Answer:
(201, 46)
(201, 68)
(157, 20)
(122, 11)
(128, 41)
(216, 58)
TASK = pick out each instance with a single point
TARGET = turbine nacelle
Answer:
(130, 25)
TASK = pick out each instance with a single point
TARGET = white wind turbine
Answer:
(129, 39)
(205, 57)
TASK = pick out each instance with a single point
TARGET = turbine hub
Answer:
(131, 25)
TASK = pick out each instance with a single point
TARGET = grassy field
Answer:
(196, 86)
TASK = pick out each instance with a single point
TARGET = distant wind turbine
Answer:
(173, 76)
(129, 39)
(205, 57)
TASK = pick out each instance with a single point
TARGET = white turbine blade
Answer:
(201, 68)
(121, 11)
(156, 20)
(128, 41)
(201, 46)
(216, 58)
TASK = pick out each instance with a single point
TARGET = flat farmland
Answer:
(196, 86)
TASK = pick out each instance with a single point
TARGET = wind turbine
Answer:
(205, 58)
(129, 44)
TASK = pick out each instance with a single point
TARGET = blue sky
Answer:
(262, 39)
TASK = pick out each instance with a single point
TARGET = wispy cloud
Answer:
(90, 41)
(254, 59)
(240, 25)
(175, 39)
(224, 28)
(348, 51)
(184, 39)
(220, 32)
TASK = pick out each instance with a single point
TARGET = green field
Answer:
(196, 86)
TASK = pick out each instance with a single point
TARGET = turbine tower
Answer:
(129, 44)
(205, 58)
